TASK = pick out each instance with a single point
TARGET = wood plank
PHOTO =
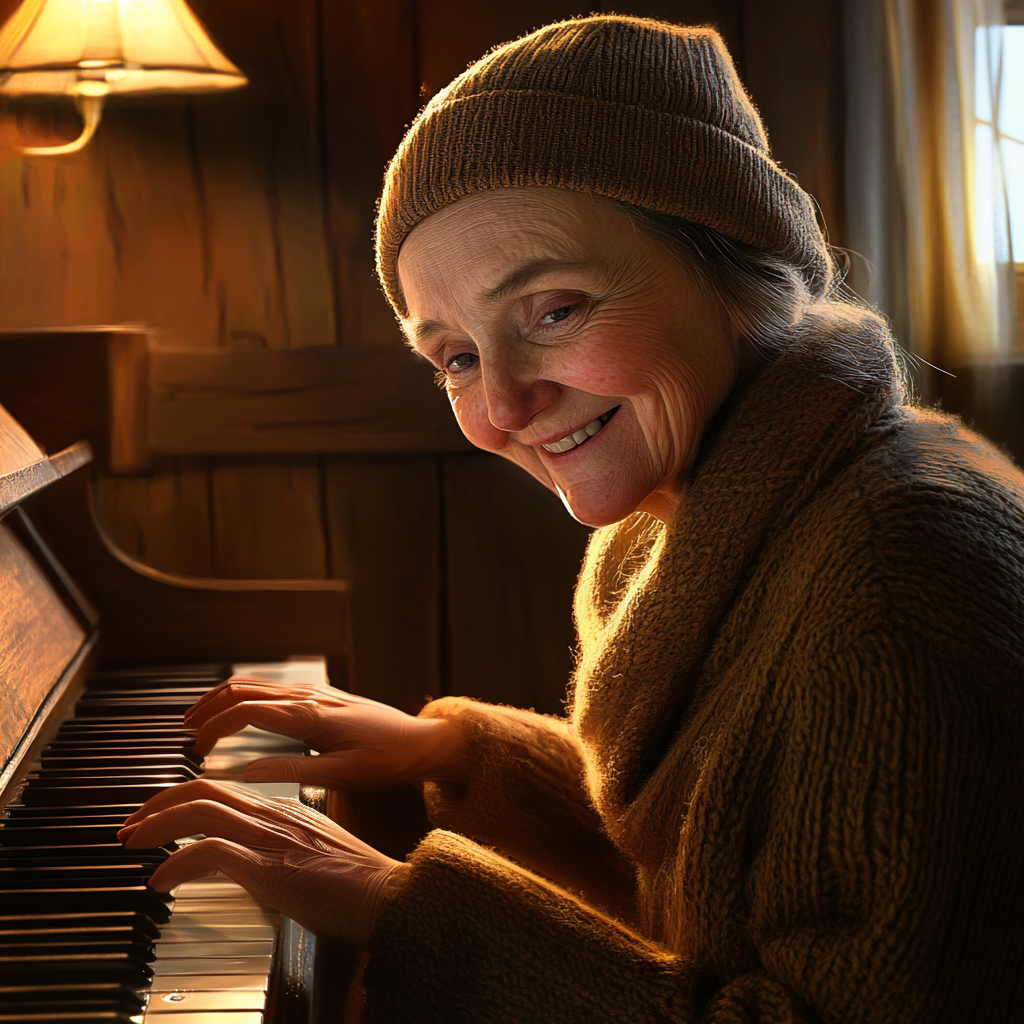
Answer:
(383, 516)
(344, 399)
(793, 61)
(453, 33)
(368, 65)
(267, 520)
(163, 519)
(512, 557)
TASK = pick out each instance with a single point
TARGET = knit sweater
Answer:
(790, 784)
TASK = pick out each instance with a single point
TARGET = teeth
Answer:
(577, 437)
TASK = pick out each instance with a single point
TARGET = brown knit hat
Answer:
(640, 111)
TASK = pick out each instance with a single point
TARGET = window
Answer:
(999, 140)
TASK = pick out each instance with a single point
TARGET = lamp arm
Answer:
(91, 109)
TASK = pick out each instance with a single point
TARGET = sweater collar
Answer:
(651, 596)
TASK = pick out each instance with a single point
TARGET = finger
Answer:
(329, 770)
(236, 689)
(238, 862)
(197, 789)
(260, 827)
(279, 812)
(290, 718)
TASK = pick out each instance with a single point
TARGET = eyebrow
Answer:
(418, 331)
(526, 272)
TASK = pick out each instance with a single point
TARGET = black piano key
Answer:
(134, 921)
(83, 899)
(121, 968)
(132, 796)
(22, 816)
(64, 876)
(48, 776)
(67, 856)
(65, 1015)
(17, 835)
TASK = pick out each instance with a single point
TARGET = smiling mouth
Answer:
(577, 437)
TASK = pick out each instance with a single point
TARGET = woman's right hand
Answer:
(362, 744)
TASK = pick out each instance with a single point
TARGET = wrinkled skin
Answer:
(362, 744)
(288, 856)
(543, 310)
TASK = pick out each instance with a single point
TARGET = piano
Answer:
(99, 657)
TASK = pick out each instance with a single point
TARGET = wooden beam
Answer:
(320, 399)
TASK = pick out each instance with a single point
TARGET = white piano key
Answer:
(181, 1000)
(166, 948)
(222, 965)
(218, 1017)
(211, 983)
(215, 931)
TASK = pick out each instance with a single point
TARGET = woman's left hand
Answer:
(288, 856)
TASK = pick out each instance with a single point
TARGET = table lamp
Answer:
(92, 49)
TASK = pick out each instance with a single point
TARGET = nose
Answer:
(514, 388)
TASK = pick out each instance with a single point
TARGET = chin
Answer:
(595, 513)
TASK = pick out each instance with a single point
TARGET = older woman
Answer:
(789, 787)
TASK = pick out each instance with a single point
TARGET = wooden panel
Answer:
(163, 518)
(384, 528)
(454, 33)
(369, 81)
(300, 400)
(512, 557)
(38, 638)
(793, 61)
(267, 520)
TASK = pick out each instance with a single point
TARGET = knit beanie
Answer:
(640, 111)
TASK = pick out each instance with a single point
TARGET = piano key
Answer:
(207, 1018)
(133, 920)
(207, 982)
(204, 1002)
(138, 898)
(133, 796)
(225, 931)
(173, 966)
(94, 995)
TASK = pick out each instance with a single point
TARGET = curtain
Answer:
(926, 185)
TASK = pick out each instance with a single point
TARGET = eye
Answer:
(461, 362)
(454, 367)
(559, 314)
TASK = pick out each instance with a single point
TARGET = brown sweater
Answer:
(791, 787)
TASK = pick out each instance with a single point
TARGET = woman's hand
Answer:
(288, 856)
(362, 744)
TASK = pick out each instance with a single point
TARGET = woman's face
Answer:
(570, 343)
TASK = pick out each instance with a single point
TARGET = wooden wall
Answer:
(245, 221)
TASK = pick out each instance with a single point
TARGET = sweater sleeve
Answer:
(466, 935)
(527, 798)
(873, 877)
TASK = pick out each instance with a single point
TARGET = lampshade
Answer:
(98, 48)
